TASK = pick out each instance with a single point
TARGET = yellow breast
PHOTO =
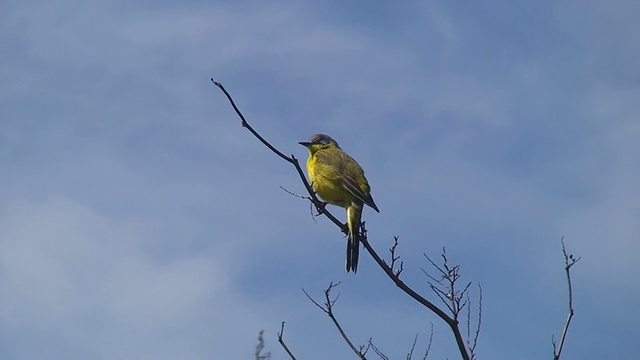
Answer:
(325, 180)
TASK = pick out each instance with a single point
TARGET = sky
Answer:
(139, 220)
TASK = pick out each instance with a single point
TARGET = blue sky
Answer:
(138, 220)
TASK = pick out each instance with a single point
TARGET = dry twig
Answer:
(327, 308)
(282, 343)
(569, 261)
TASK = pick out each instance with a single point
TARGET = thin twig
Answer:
(294, 194)
(327, 308)
(413, 346)
(249, 127)
(477, 334)
(395, 258)
(426, 352)
(364, 349)
(376, 350)
(468, 324)
(281, 341)
(292, 160)
(453, 299)
(473, 343)
(444, 273)
(569, 261)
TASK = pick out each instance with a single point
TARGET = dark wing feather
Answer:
(348, 182)
(352, 186)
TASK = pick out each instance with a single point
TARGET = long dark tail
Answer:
(354, 213)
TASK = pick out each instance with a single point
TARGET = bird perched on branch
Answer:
(338, 179)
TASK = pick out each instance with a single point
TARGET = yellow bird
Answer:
(338, 179)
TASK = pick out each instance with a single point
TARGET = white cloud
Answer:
(87, 284)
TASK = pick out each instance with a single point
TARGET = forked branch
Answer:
(282, 343)
(327, 308)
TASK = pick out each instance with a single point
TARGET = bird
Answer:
(338, 179)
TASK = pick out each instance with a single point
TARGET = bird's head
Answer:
(319, 141)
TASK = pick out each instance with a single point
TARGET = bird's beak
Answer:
(304, 143)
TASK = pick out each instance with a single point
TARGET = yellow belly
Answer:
(326, 184)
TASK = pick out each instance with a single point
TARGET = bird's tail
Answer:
(354, 214)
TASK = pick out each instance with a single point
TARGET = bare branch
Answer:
(444, 297)
(294, 194)
(328, 309)
(472, 344)
(415, 341)
(477, 334)
(281, 341)
(445, 287)
(453, 323)
(395, 258)
(315, 302)
(426, 352)
(376, 350)
(569, 261)
(413, 346)
(455, 300)
(444, 274)
(468, 323)
(245, 124)
(320, 207)
(364, 349)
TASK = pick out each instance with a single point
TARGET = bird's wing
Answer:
(345, 176)
(353, 187)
